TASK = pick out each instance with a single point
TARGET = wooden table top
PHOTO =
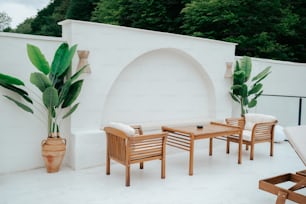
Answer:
(208, 129)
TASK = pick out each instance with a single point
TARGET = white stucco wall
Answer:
(117, 52)
(137, 76)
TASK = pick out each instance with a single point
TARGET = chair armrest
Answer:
(148, 136)
(240, 122)
(264, 129)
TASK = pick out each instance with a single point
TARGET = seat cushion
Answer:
(252, 118)
(123, 127)
(247, 135)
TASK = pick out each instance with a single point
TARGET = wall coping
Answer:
(33, 37)
(69, 21)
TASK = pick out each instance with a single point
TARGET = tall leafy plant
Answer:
(245, 90)
(59, 90)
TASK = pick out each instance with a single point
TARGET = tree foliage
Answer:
(156, 15)
(5, 21)
(261, 28)
(81, 10)
(45, 23)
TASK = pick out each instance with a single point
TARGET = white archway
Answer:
(161, 87)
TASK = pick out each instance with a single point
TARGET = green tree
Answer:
(46, 20)
(257, 26)
(81, 10)
(5, 21)
(107, 11)
(24, 27)
(156, 15)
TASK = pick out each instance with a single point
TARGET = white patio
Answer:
(217, 180)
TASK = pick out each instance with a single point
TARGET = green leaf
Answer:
(64, 91)
(252, 103)
(38, 59)
(238, 77)
(244, 90)
(256, 88)
(73, 93)
(71, 110)
(7, 79)
(246, 66)
(78, 73)
(234, 97)
(40, 80)
(21, 105)
(18, 91)
(262, 74)
(50, 97)
(62, 59)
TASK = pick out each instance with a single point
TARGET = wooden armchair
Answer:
(257, 128)
(128, 149)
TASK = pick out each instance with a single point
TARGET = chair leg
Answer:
(246, 147)
(227, 146)
(252, 152)
(127, 175)
(107, 165)
(271, 148)
(141, 165)
(163, 168)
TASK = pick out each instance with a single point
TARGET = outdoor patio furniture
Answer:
(128, 145)
(257, 128)
(183, 137)
(274, 185)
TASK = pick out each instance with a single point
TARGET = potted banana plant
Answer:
(245, 90)
(59, 91)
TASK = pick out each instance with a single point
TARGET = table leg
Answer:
(240, 148)
(191, 156)
(210, 146)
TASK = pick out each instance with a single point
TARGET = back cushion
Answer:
(123, 127)
(252, 118)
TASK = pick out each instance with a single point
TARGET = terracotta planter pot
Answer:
(53, 152)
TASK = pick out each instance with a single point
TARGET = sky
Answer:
(19, 10)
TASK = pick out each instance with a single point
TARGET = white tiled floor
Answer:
(217, 180)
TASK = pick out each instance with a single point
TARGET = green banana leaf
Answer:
(246, 66)
(252, 103)
(234, 97)
(18, 91)
(62, 59)
(50, 97)
(7, 79)
(73, 93)
(38, 59)
(78, 73)
(40, 80)
(20, 105)
(64, 91)
(261, 75)
(244, 91)
(238, 77)
(256, 88)
(71, 110)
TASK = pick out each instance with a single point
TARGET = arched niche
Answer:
(163, 86)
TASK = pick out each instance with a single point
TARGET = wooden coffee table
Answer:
(183, 137)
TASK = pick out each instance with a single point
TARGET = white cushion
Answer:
(279, 134)
(252, 118)
(247, 135)
(123, 127)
